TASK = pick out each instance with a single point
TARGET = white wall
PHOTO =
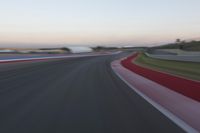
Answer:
(80, 49)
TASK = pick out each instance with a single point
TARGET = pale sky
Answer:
(53, 22)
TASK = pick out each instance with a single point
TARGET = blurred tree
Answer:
(178, 40)
(65, 49)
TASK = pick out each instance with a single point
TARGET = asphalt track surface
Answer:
(80, 95)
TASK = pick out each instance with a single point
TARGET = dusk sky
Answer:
(98, 22)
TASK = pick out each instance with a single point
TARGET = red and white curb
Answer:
(183, 111)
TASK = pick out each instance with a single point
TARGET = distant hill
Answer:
(187, 46)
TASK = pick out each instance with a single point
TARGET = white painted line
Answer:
(56, 57)
(182, 124)
(26, 59)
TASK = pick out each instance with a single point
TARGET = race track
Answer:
(78, 95)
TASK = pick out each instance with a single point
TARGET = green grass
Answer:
(188, 70)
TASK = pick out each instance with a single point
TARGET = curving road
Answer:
(80, 95)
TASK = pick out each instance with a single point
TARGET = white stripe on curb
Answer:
(163, 110)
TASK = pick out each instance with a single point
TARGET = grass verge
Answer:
(188, 70)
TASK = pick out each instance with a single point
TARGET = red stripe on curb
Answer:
(186, 87)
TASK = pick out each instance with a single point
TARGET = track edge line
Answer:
(183, 125)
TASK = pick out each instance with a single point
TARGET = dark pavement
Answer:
(80, 95)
